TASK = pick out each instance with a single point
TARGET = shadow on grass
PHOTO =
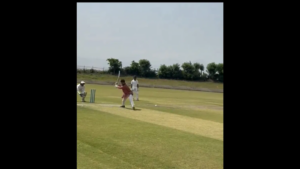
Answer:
(133, 110)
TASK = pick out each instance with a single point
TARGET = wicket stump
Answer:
(92, 98)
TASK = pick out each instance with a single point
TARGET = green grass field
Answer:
(151, 82)
(184, 130)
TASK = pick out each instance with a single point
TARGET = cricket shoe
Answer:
(133, 108)
(122, 106)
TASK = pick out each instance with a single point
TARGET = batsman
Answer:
(127, 93)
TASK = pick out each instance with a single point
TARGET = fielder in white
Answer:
(135, 88)
(81, 90)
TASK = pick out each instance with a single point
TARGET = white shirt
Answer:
(80, 89)
(134, 84)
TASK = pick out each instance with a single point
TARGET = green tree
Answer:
(204, 76)
(145, 67)
(201, 68)
(170, 72)
(196, 66)
(114, 65)
(135, 68)
(211, 70)
(197, 71)
(151, 74)
(163, 71)
(219, 69)
(176, 72)
(127, 70)
(188, 71)
(92, 70)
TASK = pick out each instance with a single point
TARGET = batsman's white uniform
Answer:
(81, 91)
(134, 89)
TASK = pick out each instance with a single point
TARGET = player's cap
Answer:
(82, 82)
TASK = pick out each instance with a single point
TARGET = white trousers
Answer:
(135, 93)
(130, 99)
(83, 95)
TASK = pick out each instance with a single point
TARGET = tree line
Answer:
(185, 71)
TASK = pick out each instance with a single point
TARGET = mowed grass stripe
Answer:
(88, 162)
(176, 101)
(203, 112)
(194, 112)
(188, 124)
(159, 96)
(92, 157)
(120, 142)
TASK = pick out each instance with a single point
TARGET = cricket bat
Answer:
(118, 77)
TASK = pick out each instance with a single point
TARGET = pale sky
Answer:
(163, 33)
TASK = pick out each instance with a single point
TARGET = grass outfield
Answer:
(184, 130)
(151, 82)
